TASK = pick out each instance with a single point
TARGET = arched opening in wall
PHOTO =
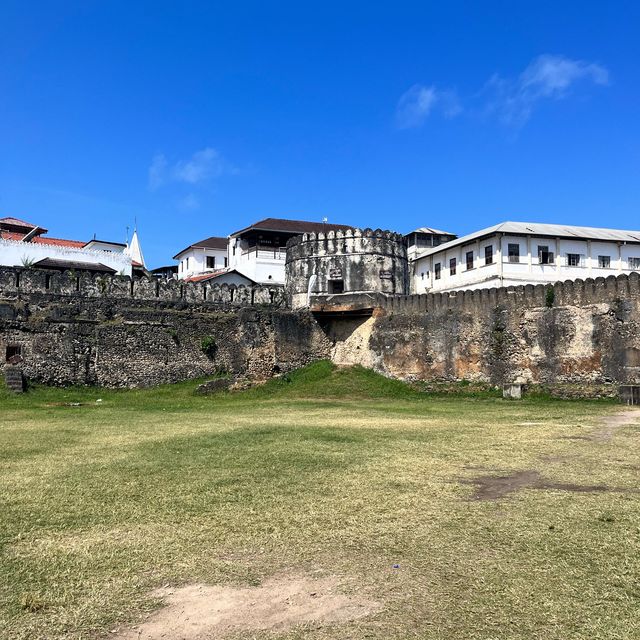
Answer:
(204, 292)
(272, 296)
(47, 281)
(253, 295)
(157, 288)
(17, 279)
(77, 283)
(232, 292)
(336, 286)
(182, 291)
(13, 353)
(131, 288)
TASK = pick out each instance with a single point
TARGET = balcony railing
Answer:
(267, 253)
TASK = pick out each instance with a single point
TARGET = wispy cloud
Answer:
(511, 100)
(203, 166)
(417, 104)
(548, 77)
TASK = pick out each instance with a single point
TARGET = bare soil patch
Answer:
(610, 424)
(495, 487)
(202, 612)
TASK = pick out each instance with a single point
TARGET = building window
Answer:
(226, 262)
(452, 267)
(211, 262)
(604, 262)
(574, 260)
(488, 254)
(469, 260)
(634, 263)
(336, 286)
(544, 255)
(437, 270)
(514, 252)
(187, 264)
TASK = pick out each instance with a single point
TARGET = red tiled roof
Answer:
(214, 242)
(291, 226)
(17, 223)
(215, 274)
(60, 242)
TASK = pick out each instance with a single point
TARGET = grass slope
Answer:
(338, 470)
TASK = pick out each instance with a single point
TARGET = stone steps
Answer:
(13, 378)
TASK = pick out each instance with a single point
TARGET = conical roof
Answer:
(134, 251)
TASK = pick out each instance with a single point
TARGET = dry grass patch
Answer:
(335, 474)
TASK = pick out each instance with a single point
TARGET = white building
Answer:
(259, 250)
(425, 238)
(204, 257)
(23, 244)
(516, 253)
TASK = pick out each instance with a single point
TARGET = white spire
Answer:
(133, 249)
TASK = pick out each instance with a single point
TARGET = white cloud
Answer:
(548, 77)
(203, 166)
(416, 104)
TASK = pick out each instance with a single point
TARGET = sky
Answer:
(193, 119)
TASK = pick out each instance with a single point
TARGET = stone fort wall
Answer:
(580, 333)
(363, 260)
(75, 328)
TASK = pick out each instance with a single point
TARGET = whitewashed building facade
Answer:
(23, 244)
(204, 257)
(516, 253)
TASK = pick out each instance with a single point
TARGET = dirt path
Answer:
(201, 612)
(610, 424)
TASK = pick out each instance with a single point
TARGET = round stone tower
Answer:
(345, 261)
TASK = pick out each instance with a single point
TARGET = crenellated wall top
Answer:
(20, 281)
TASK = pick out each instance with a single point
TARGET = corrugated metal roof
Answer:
(540, 229)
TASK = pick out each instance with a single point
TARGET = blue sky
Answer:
(198, 118)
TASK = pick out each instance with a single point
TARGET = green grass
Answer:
(333, 469)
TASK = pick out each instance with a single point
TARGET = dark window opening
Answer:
(272, 296)
(544, 255)
(211, 262)
(514, 253)
(336, 286)
(47, 281)
(437, 270)
(573, 259)
(18, 279)
(77, 283)
(604, 262)
(226, 262)
(488, 254)
(14, 351)
(469, 260)
(453, 266)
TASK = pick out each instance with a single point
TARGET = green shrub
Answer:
(209, 347)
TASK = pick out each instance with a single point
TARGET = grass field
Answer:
(330, 472)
